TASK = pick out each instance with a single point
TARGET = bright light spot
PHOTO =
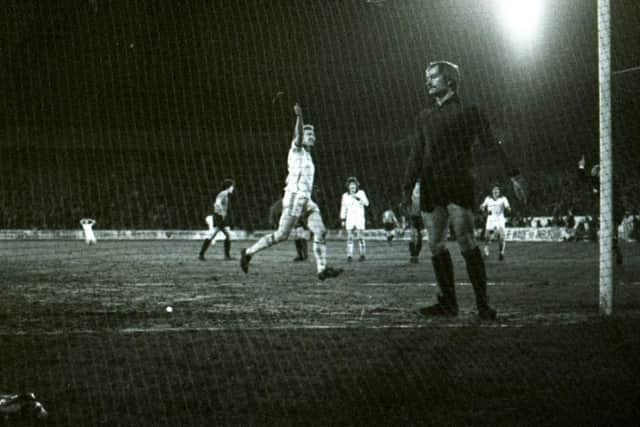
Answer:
(521, 18)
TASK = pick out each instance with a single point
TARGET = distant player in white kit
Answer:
(495, 205)
(352, 218)
(297, 202)
(87, 227)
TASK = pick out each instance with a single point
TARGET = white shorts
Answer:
(496, 224)
(298, 205)
(357, 223)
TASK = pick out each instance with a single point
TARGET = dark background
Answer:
(132, 112)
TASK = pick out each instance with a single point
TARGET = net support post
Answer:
(606, 163)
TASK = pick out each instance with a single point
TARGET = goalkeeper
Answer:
(441, 159)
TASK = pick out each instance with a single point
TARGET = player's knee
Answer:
(320, 237)
(437, 247)
(466, 242)
(281, 235)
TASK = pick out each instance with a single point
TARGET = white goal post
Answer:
(606, 165)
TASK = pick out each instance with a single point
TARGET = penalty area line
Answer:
(509, 320)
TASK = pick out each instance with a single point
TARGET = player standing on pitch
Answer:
(352, 218)
(220, 220)
(442, 159)
(593, 179)
(297, 202)
(495, 205)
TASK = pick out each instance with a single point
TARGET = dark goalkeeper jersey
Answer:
(441, 156)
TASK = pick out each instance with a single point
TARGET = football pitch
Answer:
(87, 329)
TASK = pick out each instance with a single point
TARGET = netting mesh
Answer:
(134, 112)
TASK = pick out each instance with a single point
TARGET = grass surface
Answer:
(86, 329)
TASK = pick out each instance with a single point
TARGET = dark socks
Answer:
(443, 268)
(227, 248)
(205, 246)
(477, 276)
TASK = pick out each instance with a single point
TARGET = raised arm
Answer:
(297, 131)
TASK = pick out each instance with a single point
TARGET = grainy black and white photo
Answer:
(320, 213)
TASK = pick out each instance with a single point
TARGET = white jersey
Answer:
(301, 171)
(352, 209)
(496, 207)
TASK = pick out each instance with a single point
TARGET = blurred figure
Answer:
(390, 223)
(495, 205)
(87, 226)
(593, 179)
(220, 221)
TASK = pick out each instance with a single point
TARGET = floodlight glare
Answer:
(520, 18)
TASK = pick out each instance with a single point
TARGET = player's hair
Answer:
(449, 70)
(354, 180)
(308, 127)
(228, 182)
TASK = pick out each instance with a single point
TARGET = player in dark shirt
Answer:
(441, 159)
(593, 179)
(221, 221)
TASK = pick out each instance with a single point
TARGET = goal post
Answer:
(607, 228)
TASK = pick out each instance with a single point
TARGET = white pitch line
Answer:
(434, 284)
(508, 283)
(465, 321)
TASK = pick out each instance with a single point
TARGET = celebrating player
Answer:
(220, 221)
(352, 206)
(495, 205)
(593, 179)
(297, 202)
(442, 158)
